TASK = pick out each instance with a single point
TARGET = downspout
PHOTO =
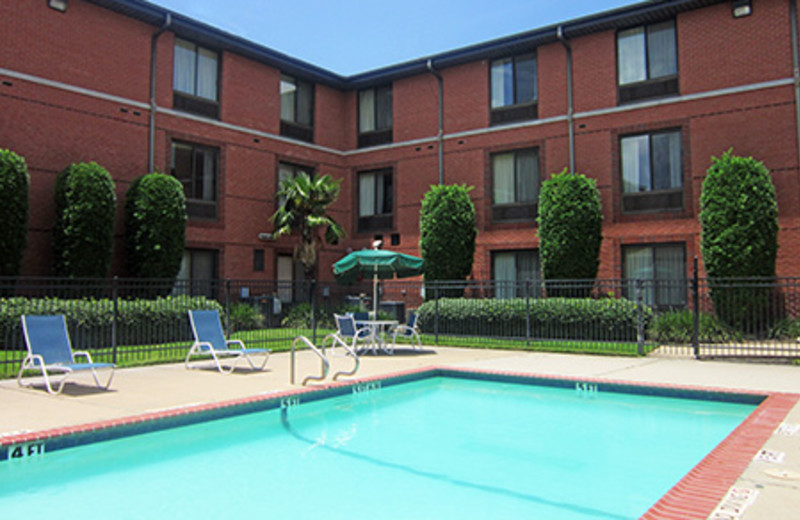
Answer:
(570, 111)
(440, 134)
(151, 149)
(795, 71)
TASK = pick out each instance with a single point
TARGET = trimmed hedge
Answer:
(14, 211)
(552, 318)
(447, 233)
(83, 235)
(89, 321)
(570, 229)
(155, 226)
(739, 238)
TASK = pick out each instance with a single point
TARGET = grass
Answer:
(280, 340)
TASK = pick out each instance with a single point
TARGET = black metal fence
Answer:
(135, 322)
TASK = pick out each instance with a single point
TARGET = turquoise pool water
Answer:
(434, 448)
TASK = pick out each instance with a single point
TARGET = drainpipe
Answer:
(570, 111)
(795, 71)
(151, 150)
(440, 134)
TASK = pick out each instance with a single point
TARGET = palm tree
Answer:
(303, 208)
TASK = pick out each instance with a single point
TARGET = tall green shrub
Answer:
(570, 230)
(739, 219)
(14, 186)
(83, 234)
(447, 233)
(155, 226)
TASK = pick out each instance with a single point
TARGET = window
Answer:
(375, 200)
(515, 184)
(511, 268)
(662, 269)
(297, 109)
(195, 79)
(258, 259)
(289, 273)
(375, 116)
(196, 167)
(198, 274)
(514, 89)
(647, 62)
(652, 176)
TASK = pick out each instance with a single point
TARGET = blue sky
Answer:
(351, 36)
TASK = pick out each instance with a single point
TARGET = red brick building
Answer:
(638, 98)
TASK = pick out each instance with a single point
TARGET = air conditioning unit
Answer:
(266, 236)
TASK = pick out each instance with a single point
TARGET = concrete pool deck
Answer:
(145, 390)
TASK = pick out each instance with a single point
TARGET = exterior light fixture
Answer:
(58, 5)
(742, 8)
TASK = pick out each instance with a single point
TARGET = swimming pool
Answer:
(440, 447)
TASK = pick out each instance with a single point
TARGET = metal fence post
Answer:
(527, 313)
(312, 296)
(115, 299)
(228, 306)
(696, 310)
(639, 317)
(436, 313)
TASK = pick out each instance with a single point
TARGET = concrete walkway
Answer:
(147, 389)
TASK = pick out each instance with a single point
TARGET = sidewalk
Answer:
(148, 389)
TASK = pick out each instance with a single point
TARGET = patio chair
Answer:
(50, 350)
(348, 333)
(408, 330)
(210, 340)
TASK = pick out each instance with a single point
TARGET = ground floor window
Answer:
(199, 273)
(662, 270)
(511, 268)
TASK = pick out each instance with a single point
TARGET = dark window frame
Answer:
(658, 289)
(517, 111)
(191, 102)
(259, 259)
(652, 200)
(378, 221)
(199, 209)
(380, 135)
(294, 129)
(516, 211)
(649, 88)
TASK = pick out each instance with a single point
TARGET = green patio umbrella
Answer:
(377, 263)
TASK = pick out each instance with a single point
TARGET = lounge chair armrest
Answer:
(37, 359)
(236, 342)
(84, 354)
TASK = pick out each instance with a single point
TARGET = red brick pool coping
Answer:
(695, 496)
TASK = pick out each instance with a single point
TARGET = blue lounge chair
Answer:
(349, 333)
(409, 330)
(50, 350)
(210, 340)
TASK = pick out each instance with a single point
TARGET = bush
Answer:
(14, 187)
(570, 230)
(155, 226)
(83, 234)
(245, 317)
(552, 318)
(299, 317)
(678, 327)
(447, 233)
(89, 321)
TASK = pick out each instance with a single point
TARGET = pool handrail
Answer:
(349, 351)
(326, 366)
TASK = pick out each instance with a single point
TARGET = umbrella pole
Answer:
(375, 293)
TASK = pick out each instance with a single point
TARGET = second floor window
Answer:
(375, 116)
(514, 90)
(375, 200)
(195, 79)
(647, 62)
(290, 171)
(297, 108)
(652, 176)
(195, 166)
(515, 185)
